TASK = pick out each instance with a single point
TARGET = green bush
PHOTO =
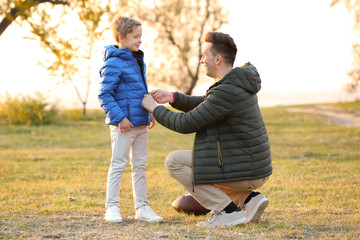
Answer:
(26, 110)
(71, 114)
(66, 115)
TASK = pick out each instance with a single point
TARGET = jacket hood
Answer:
(123, 53)
(246, 77)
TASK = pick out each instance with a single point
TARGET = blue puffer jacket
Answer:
(123, 85)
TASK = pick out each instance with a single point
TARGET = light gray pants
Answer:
(121, 143)
(212, 196)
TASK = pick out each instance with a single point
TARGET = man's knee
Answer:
(177, 162)
(170, 161)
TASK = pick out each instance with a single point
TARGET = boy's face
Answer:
(132, 40)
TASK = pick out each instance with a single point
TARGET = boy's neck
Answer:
(120, 46)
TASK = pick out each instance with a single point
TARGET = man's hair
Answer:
(222, 44)
(123, 25)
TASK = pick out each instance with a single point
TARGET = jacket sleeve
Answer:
(185, 102)
(110, 74)
(212, 110)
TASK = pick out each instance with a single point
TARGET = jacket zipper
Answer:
(128, 108)
(142, 75)
(219, 154)
(193, 170)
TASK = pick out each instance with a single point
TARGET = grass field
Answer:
(53, 182)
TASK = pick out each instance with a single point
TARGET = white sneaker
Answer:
(145, 213)
(112, 214)
(223, 219)
(255, 208)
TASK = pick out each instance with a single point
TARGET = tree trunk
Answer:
(84, 108)
(192, 86)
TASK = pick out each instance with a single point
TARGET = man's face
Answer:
(208, 60)
(132, 40)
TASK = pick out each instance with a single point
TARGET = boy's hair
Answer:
(123, 25)
(222, 44)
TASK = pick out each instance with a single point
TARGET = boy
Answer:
(123, 85)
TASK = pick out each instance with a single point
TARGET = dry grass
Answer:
(53, 179)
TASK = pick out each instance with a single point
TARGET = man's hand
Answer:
(125, 125)
(148, 103)
(162, 96)
(152, 121)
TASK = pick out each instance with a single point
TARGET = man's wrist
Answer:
(151, 110)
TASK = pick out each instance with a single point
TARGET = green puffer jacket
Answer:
(231, 141)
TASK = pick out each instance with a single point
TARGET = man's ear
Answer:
(218, 59)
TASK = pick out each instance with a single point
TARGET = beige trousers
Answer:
(212, 196)
(131, 145)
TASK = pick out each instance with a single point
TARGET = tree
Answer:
(11, 10)
(180, 26)
(69, 48)
(353, 7)
(73, 56)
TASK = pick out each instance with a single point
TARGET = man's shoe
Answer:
(223, 219)
(255, 208)
(112, 214)
(145, 213)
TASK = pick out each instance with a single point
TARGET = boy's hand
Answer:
(125, 125)
(152, 123)
(162, 96)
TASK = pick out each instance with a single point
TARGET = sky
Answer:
(301, 48)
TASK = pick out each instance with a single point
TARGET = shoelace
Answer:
(213, 217)
(149, 210)
(114, 212)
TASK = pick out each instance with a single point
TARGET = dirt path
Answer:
(339, 118)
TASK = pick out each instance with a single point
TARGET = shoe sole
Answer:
(149, 221)
(260, 208)
(230, 224)
(236, 222)
(114, 221)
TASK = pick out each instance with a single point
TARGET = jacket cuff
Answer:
(174, 96)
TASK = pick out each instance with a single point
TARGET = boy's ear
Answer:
(120, 38)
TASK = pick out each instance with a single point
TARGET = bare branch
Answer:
(181, 26)
(18, 10)
(334, 2)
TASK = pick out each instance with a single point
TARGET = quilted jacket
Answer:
(123, 85)
(231, 141)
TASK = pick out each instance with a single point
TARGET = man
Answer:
(231, 155)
